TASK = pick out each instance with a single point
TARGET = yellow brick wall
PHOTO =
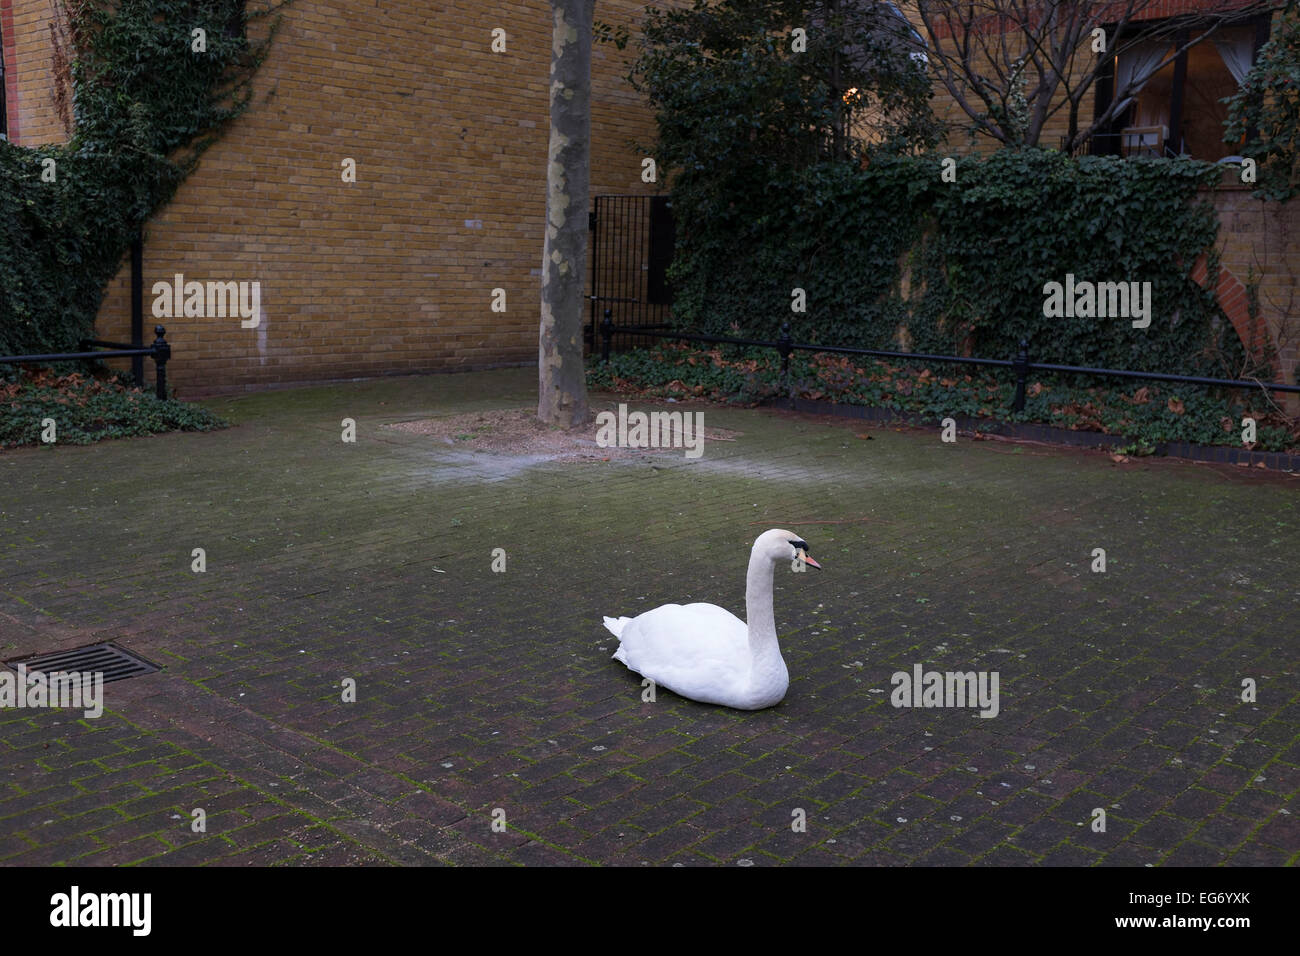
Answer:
(393, 273)
(29, 65)
(1259, 243)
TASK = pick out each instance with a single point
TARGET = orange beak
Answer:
(807, 559)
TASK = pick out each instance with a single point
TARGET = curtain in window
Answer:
(1237, 53)
(1136, 65)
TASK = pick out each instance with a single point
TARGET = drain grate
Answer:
(108, 659)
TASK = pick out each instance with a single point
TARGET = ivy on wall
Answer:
(148, 85)
(898, 255)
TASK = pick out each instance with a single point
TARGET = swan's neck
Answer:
(758, 609)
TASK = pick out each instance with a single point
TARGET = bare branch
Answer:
(983, 50)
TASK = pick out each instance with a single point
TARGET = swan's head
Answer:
(780, 545)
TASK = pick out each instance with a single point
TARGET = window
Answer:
(1176, 109)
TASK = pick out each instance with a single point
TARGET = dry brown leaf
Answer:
(1142, 396)
(1176, 406)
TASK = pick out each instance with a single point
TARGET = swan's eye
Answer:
(800, 545)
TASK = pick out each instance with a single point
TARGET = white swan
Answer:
(708, 654)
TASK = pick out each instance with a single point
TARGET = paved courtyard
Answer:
(485, 696)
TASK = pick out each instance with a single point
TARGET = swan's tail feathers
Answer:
(615, 625)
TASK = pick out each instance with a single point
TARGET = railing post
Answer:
(1022, 373)
(606, 333)
(137, 308)
(162, 351)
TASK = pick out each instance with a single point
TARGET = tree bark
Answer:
(562, 383)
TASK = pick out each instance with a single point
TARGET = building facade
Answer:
(395, 272)
(427, 257)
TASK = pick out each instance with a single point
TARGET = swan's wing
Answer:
(686, 633)
(696, 649)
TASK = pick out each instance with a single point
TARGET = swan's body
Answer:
(705, 652)
(701, 651)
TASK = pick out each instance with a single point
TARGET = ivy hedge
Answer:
(86, 409)
(1145, 413)
(143, 87)
(898, 255)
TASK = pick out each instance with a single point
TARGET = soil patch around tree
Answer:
(517, 432)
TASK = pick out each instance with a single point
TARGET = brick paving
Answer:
(481, 691)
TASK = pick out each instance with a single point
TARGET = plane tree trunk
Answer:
(562, 383)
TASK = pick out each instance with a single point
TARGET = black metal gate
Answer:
(631, 248)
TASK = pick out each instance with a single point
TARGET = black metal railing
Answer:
(1021, 364)
(160, 352)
